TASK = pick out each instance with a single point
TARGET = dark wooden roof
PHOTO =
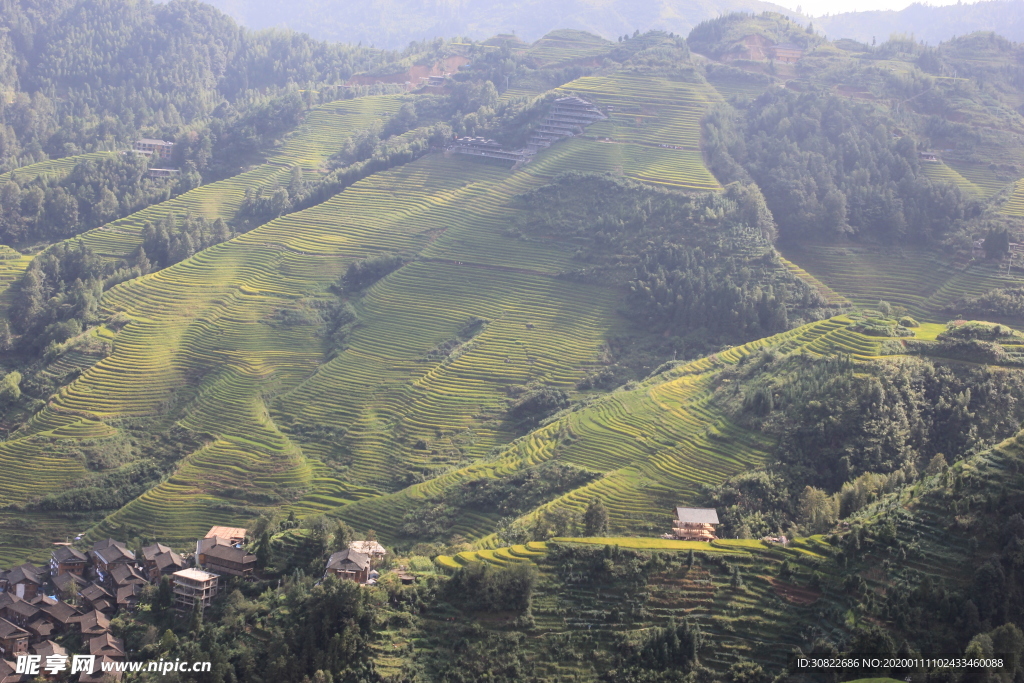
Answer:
(349, 560)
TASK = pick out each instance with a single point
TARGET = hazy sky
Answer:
(819, 7)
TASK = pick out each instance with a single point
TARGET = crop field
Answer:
(1015, 204)
(987, 181)
(204, 348)
(567, 45)
(321, 134)
(50, 167)
(652, 134)
(922, 282)
(760, 620)
(943, 174)
(654, 445)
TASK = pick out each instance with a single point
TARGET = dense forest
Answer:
(684, 258)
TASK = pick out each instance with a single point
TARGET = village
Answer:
(79, 592)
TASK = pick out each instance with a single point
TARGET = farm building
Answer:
(191, 585)
(695, 524)
(161, 148)
(348, 564)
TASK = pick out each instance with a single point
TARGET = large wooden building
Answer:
(348, 564)
(695, 524)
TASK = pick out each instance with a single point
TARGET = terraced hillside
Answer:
(653, 128)
(567, 46)
(210, 344)
(52, 167)
(922, 282)
(322, 133)
(653, 445)
(760, 620)
(943, 173)
(1015, 204)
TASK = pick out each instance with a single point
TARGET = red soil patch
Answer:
(794, 594)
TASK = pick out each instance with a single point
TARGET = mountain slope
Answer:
(395, 24)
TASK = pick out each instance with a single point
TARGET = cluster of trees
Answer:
(997, 303)
(301, 194)
(95, 192)
(90, 77)
(699, 266)
(829, 167)
(173, 239)
(508, 496)
(846, 437)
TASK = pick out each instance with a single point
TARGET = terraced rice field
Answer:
(922, 282)
(12, 266)
(206, 347)
(943, 174)
(563, 46)
(322, 133)
(988, 181)
(761, 621)
(51, 167)
(652, 133)
(653, 445)
(1015, 204)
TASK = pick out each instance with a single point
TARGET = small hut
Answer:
(695, 524)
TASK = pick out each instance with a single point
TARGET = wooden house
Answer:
(17, 611)
(228, 559)
(106, 645)
(106, 554)
(158, 560)
(97, 597)
(94, 623)
(68, 585)
(48, 648)
(695, 524)
(786, 53)
(60, 614)
(65, 559)
(24, 581)
(191, 585)
(348, 564)
(122, 575)
(13, 639)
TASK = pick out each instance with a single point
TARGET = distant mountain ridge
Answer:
(930, 24)
(394, 23)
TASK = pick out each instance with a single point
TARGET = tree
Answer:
(343, 536)
(817, 510)
(595, 519)
(997, 244)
